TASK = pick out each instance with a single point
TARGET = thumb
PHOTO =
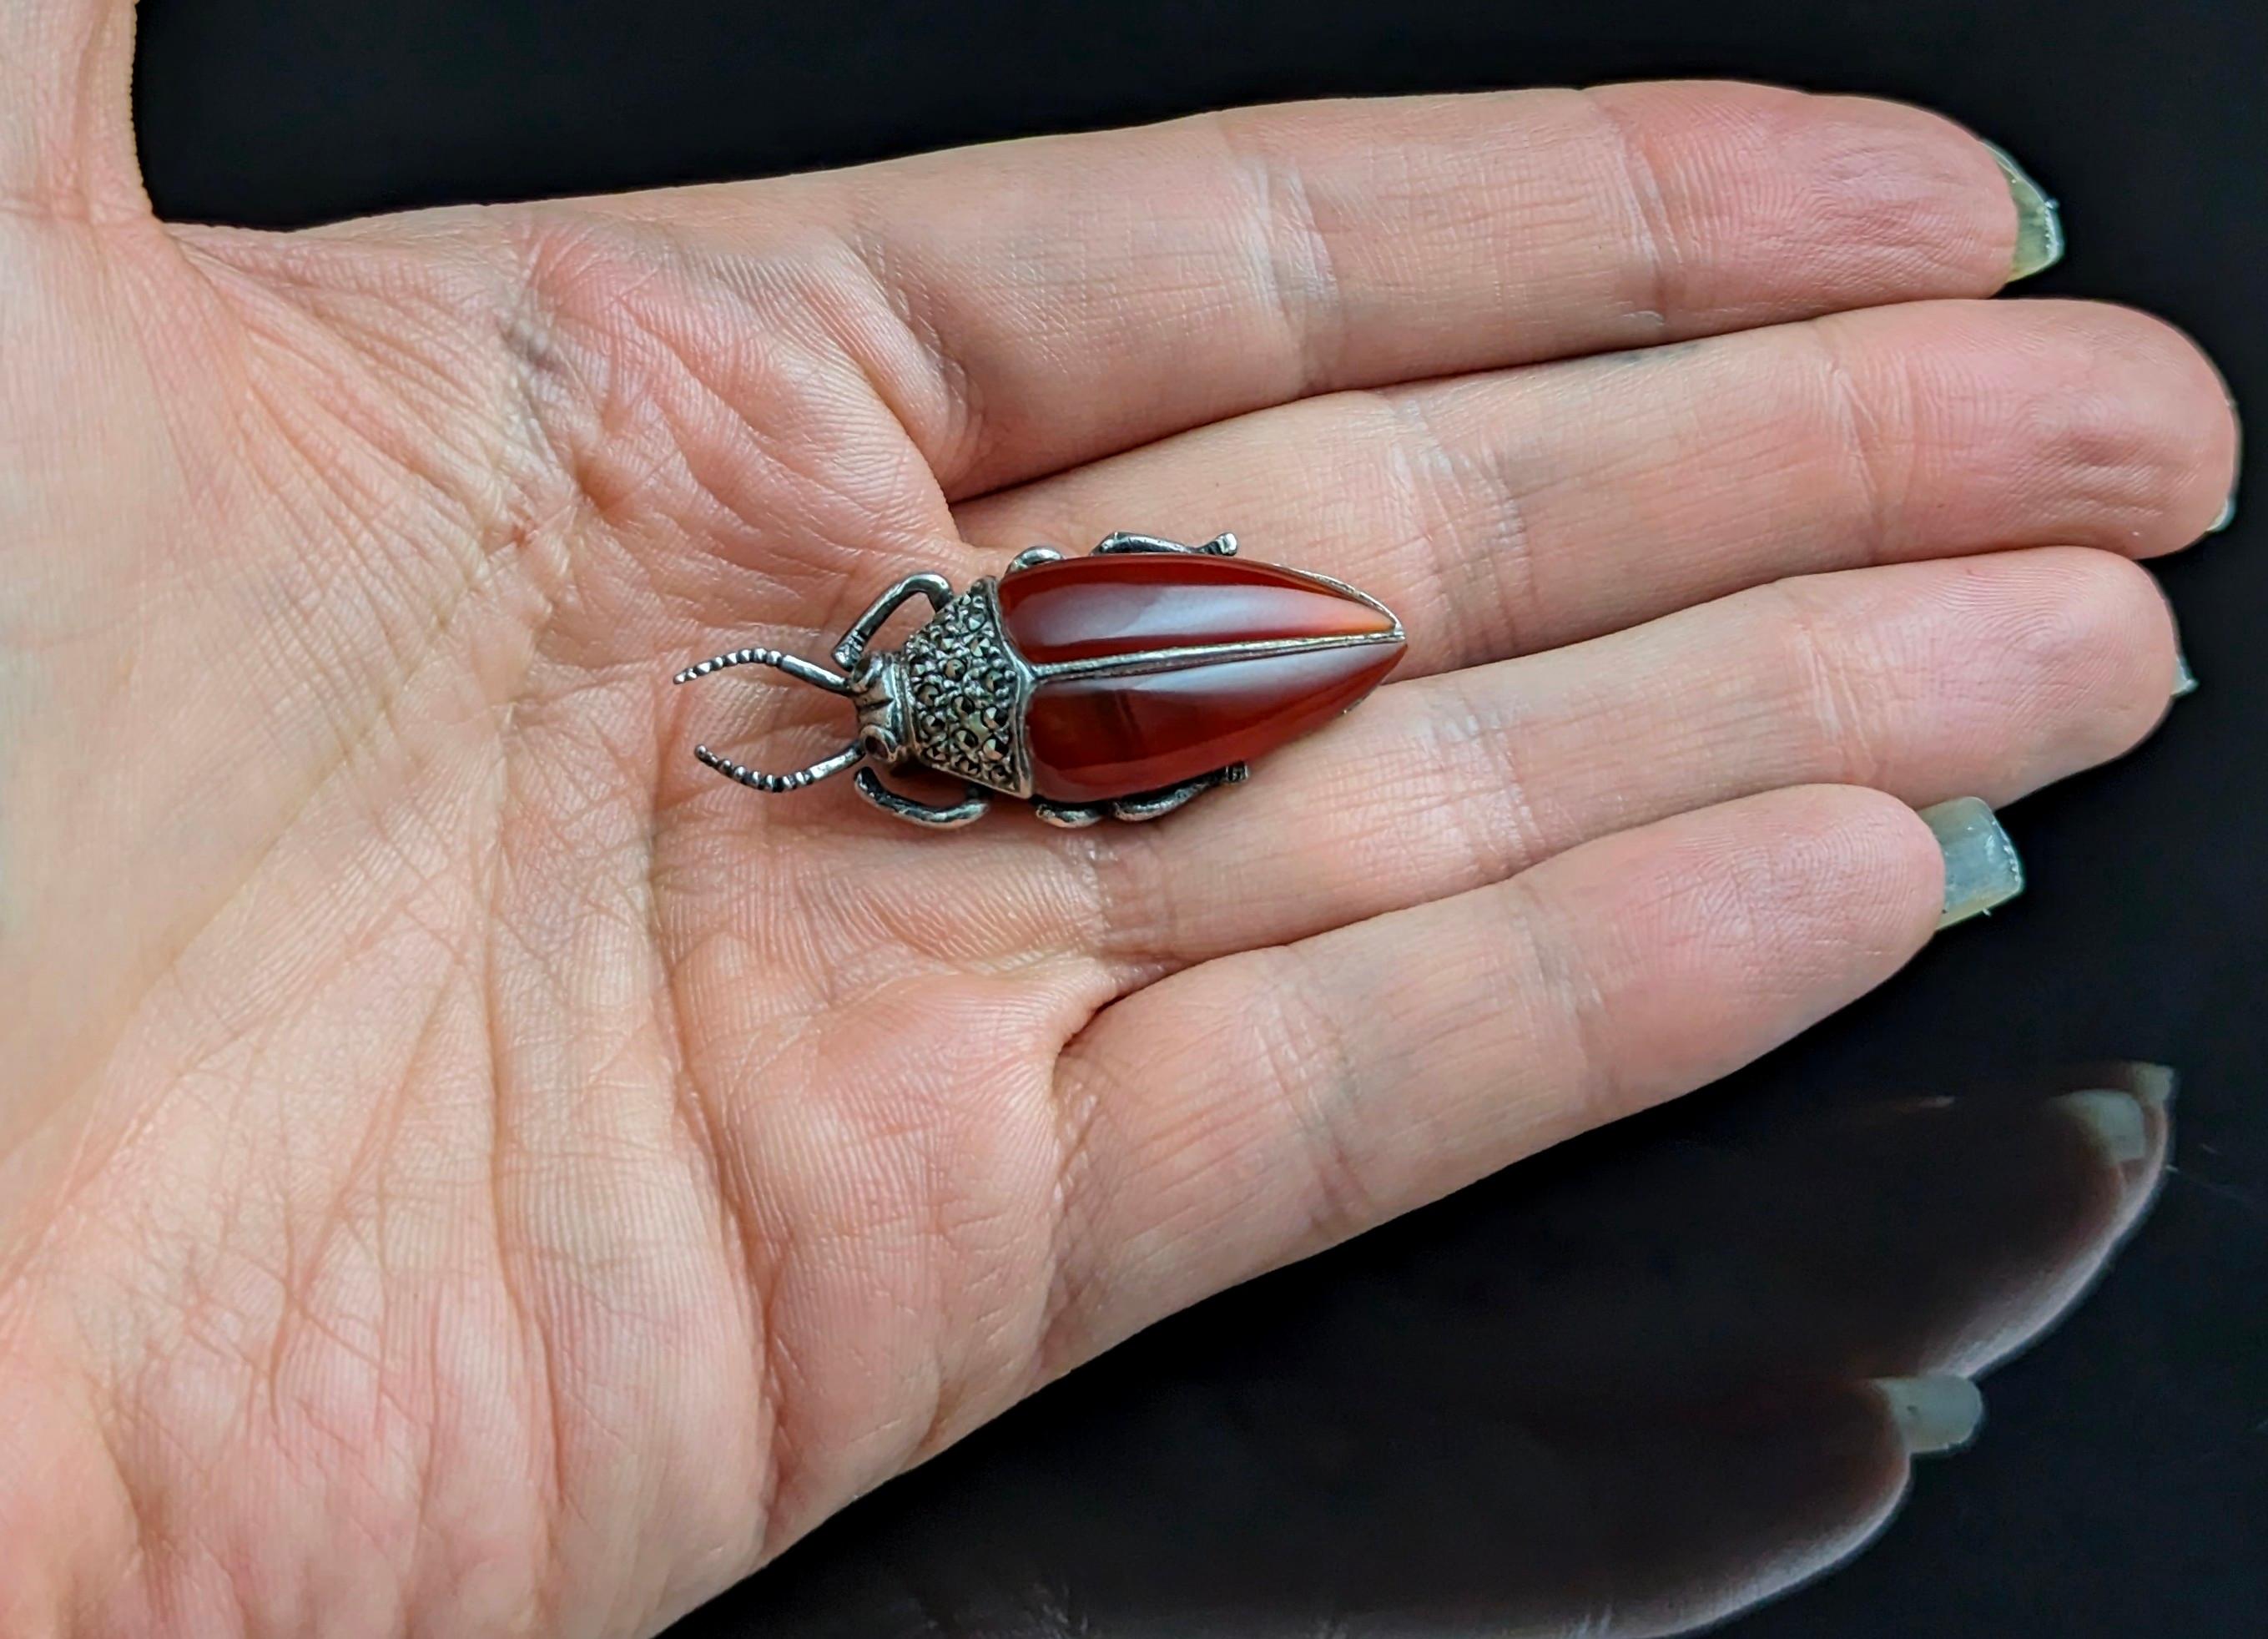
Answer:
(66, 120)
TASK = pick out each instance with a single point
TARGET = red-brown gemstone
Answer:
(1085, 607)
(1095, 737)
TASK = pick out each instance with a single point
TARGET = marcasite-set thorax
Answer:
(963, 692)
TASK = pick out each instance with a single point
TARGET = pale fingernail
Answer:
(2114, 1118)
(1933, 1414)
(2155, 1083)
(2039, 225)
(2185, 680)
(1981, 867)
(2227, 513)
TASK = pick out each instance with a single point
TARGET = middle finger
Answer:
(1512, 512)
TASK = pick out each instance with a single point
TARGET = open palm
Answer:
(465, 1169)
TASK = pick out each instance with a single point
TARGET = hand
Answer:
(466, 1168)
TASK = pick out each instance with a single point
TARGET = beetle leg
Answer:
(1222, 545)
(935, 587)
(1031, 557)
(1152, 804)
(1068, 816)
(969, 809)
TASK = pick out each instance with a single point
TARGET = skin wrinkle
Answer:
(1525, 839)
(349, 750)
(1293, 253)
(1499, 566)
(429, 1540)
(1308, 1032)
(1661, 309)
(964, 439)
(278, 340)
(139, 1549)
(552, 386)
(1078, 1109)
(1884, 496)
(642, 919)
(297, 1270)
(530, 1335)
(744, 1247)
(1135, 896)
(844, 569)
(39, 211)
(1566, 1000)
(1827, 686)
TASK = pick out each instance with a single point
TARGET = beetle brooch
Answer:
(1118, 685)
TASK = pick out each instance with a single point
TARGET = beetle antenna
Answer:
(794, 666)
(802, 670)
(777, 784)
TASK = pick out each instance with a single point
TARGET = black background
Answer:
(2122, 1485)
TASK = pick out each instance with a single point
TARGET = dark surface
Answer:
(2121, 1484)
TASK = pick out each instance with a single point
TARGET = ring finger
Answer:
(1986, 677)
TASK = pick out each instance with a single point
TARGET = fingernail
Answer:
(1933, 1414)
(2039, 225)
(2184, 679)
(2155, 1083)
(2226, 515)
(2114, 1117)
(1981, 867)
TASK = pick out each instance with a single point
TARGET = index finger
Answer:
(1042, 303)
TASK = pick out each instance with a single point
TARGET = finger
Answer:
(1248, 1110)
(1508, 513)
(1480, 1514)
(1044, 303)
(1988, 677)
(1944, 1233)
(66, 130)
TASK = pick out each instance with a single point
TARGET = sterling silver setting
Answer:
(953, 699)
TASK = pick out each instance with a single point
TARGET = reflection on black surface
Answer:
(1628, 1389)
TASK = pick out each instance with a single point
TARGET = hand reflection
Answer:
(1629, 1391)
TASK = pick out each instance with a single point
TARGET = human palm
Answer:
(464, 1168)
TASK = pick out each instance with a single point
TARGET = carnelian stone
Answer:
(1095, 735)
(1096, 738)
(1086, 608)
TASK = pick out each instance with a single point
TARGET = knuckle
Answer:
(1462, 511)
(1294, 247)
(1574, 1042)
(1480, 795)
(1303, 1066)
(1825, 667)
